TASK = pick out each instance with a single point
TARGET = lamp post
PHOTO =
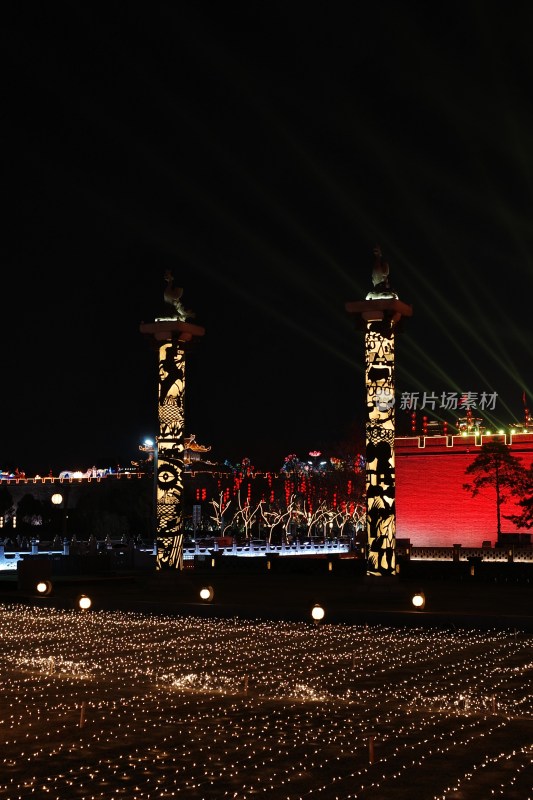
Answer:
(317, 613)
(43, 588)
(150, 447)
(419, 600)
(57, 500)
(83, 602)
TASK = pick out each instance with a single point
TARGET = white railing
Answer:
(254, 550)
(517, 554)
(9, 561)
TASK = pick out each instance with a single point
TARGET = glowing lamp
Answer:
(57, 499)
(317, 612)
(207, 593)
(419, 600)
(43, 588)
(84, 602)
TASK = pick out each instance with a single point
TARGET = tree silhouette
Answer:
(30, 511)
(525, 518)
(495, 466)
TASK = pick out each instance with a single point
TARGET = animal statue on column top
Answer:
(172, 296)
(380, 278)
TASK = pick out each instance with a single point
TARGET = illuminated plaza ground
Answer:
(134, 704)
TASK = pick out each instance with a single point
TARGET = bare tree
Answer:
(220, 509)
(247, 515)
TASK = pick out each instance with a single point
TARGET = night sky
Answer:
(260, 153)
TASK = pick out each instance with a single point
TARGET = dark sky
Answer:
(260, 153)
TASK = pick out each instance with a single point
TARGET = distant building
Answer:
(432, 507)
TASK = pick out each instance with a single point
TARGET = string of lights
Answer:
(97, 704)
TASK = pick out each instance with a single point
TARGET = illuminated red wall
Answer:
(432, 508)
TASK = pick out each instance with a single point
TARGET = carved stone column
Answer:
(379, 316)
(171, 338)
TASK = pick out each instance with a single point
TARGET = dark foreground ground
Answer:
(154, 694)
(482, 596)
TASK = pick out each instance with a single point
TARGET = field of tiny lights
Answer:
(115, 704)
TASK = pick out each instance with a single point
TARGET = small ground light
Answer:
(84, 603)
(43, 587)
(317, 612)
(207, 593)
(419, 600)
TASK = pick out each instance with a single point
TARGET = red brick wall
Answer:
(432, 508)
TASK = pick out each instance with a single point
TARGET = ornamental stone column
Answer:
(379, 316)
(171, 336)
